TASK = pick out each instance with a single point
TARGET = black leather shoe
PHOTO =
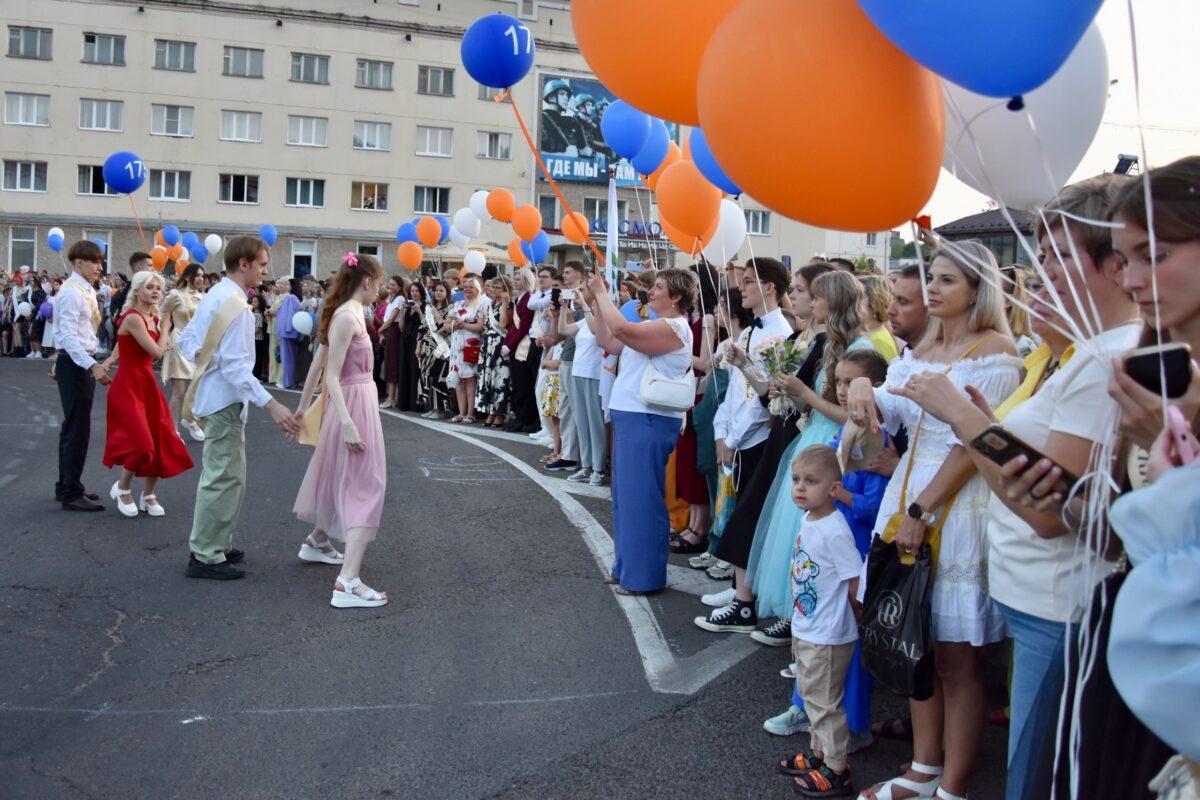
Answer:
(88, 495)
(234, 556)
(217, 572)
(81, 504)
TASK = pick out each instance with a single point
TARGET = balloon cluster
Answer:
(182, 248)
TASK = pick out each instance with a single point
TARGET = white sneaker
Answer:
(789, 723)
(702, 561)
(579, 477)
(128, 509)
(155, 510)
(194, 430)
(598, 479)
(31, 354)
(719, 599)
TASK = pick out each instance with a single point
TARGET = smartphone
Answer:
(555, 293)
(1002, 447)
(1149, 365)
(567, 294)
(643, 297)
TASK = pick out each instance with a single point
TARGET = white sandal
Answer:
(925, 789)
(944, 795)
(155, 510)
(315, 555)
(128, 509)
(346, 598)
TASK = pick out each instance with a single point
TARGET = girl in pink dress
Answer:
(343, 490)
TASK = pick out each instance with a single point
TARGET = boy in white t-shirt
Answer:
(825, 570)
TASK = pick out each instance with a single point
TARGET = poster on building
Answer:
(569, 136)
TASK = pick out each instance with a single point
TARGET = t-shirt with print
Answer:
(824, 561)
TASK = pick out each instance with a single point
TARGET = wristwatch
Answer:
(916, 511)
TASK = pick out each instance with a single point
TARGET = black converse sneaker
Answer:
(777, 634)
(737, 617)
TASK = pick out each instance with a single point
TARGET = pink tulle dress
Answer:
(343, 491)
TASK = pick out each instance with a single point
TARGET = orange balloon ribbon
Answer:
(533, 149)
(137, 219)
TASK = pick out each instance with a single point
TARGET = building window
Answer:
(29, 42)
(91, 180)
(488, 93)
(308, 131)
(596, 208)
(238, 189)
(26, 109)
(495, 145)
(305, 193)
(372, 135)
(241, 126)
(102, 238)
(304, 253)
(175, 56)
(101, 115)
(24, 176)
(548, 206)
(871, 239)
(373, 74)
(368, 249)
(431, 200)
(104, 48)
(435, 141)
(172, 120)
(22, 247)
(243, 62)
(172, 185)
(309, 68)
(435, 80)
(758, 223)
(527, 9)
(369, 196)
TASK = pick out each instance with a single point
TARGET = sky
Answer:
(1169, 68)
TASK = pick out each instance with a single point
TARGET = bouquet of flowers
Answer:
(781, 359)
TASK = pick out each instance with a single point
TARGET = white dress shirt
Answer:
(230, 377)
(539, 304)
(73, 328)
(741, 419)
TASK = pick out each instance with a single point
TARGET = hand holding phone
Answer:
(1002, 447)
(1150, 366)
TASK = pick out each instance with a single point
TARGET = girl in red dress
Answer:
(142, 439)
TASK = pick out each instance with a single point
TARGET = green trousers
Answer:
(222, 485)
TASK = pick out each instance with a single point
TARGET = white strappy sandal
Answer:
(944, 795)
(346, 598)
(315, 554)
(155, 510)
(925, 789)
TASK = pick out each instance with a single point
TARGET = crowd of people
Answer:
(772, 426)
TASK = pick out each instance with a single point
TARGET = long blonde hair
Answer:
(978, 266)
(844, 295)
(140, 279)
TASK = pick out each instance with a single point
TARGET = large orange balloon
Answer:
(575, 227)
(501, 204)
(656, 71)
(429, 231)
(527, 222)
(688, 199)
(516, 254)
(784, 92)
(410, 254)
(691, 245)
(158, 239)
(175, 251)
(158, 257)
(674, 154)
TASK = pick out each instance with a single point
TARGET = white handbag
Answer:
(667, 394)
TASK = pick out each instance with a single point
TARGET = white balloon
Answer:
(467, 223)
(303, 323)
(458, 239)
(24, 309)
(184, 256)
(474, 262)
(54, 231)
(1021, 168)
(24, 269)
(479, 205)
(730, 235)
(213, 244)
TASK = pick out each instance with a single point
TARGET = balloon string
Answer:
(538, 156)
(137, 219)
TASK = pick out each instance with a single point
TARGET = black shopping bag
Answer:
(897, 624)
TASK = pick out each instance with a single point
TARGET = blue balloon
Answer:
(171, 235)
(703, 158)
(538, 249)
(124, 172)
(445, 223)
(625, 128)
(190, 241)
(55, 242)
(199, 253)
(46, 310)
(651, 156)
(407, 233)
(972, 44)
(268, 234)
(498, 51)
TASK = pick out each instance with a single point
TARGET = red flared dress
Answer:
(141, 434)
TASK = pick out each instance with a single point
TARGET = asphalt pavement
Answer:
(502, 667)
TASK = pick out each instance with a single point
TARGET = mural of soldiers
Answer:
(560, 129)
(589, 126)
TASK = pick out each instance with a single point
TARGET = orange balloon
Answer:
(527, 222)
(768, 63)
(515, 254)
(638, 72)
(410, 254)
(687, 147)
(688, 244)
(175, 251)
(181, 265)
(158, 239)
(158, 257)
(429, 231)
(673, 154)
(501, 204)
(687, 198)
(575, 227)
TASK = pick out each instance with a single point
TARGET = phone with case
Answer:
(1002, 447)
(1150, 365)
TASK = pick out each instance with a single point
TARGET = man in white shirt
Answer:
(222, 391)
(76, 320)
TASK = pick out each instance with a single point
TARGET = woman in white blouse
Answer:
(466, 320)
(644, 436)
(969, 341)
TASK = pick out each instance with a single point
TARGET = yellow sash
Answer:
(229, 311)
